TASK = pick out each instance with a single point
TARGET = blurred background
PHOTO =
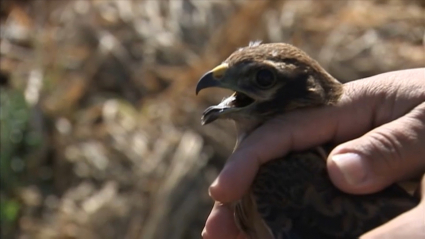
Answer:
(100, 126)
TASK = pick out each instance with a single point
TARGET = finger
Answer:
(242, 236)
(387, 154)
(220, 223)
(295, 131)
(307, 128)
(421, 191)
(408, 225)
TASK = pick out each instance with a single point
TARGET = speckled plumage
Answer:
(293, 197)
(296, 199)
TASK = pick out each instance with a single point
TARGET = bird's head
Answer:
(268, 79)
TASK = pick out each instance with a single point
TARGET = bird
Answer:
(292, 197)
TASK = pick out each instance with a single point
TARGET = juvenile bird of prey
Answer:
(292, 196)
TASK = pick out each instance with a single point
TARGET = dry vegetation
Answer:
(100, 130)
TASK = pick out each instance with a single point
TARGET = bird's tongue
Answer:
(241, 100)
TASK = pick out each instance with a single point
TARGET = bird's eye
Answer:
(265, 78)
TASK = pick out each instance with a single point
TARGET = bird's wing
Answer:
(249, 220)
(296, 199)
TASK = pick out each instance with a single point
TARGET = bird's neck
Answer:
(244, 127)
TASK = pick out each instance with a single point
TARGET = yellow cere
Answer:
(220, 70)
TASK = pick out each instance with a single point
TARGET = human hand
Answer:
(410, 224)
(381, 119)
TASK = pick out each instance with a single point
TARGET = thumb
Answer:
(387, 154)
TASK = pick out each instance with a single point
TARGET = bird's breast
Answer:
(295, 198)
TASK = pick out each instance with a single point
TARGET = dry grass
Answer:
(110, 88)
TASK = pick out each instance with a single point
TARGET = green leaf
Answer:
(10, 210)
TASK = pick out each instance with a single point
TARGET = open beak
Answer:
(232, 104)
(212, 78)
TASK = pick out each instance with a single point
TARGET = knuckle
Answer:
(386, 146)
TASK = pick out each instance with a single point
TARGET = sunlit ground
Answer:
(100, 126)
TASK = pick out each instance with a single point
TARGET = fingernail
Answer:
(213, 185)
(203, 234)
(352, 167)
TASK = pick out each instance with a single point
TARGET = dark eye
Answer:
(265, 78)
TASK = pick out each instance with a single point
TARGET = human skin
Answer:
(379, 124)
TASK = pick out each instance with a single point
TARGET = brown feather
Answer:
(293, 197)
